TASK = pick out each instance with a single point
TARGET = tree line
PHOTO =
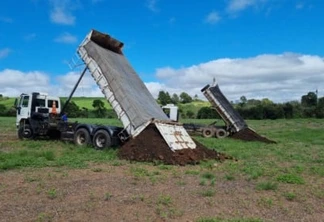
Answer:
(309, 106)
(165, 98)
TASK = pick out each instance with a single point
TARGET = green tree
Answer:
(100, 110)
(190, 114)
(3, 110)
(297, 109)
(266, 102)
(273, 111)
(207, 113)
(253, 102)
(164, 98)
(308, 103)
(319, 113)
(84, 112)
(72, 110)
(175, 98)
(185, 98)
(243, 101)
(288, 110)
(309, 100)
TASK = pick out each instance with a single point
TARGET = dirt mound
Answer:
(150, 146)
(248, 134)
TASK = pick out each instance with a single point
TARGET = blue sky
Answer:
(256, 48)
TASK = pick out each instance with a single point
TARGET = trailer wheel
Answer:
(221, 133)
(101, 140)
(25, 132)
(82, 137)
(207, 133)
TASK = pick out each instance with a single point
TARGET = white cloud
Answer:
(279, 77)
(61, 11)
(236, 6)
(240, 5)
(37, 81)
(152, 5)
(66, 38)
(212, 18)
(87, 86)
(15, 82)
(4, 52)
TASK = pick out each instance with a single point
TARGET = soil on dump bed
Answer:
(149, 146)
(248, 134)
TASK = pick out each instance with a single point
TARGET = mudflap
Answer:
(175, 136)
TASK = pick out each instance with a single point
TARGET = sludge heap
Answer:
(148, 132)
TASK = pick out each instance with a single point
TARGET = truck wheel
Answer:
(101, 139)
(25, 132)
(221, 133)
(82, 137)
(207, 133)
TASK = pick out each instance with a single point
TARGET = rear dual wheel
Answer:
(208, 133)
(101, 140)
(221, 133)
(82, 137)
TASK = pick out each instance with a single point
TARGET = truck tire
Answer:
(25, 132)
(82, 137)
(207, 132)
(101, 140)
(221, 133)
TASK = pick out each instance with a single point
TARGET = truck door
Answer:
(23, 108)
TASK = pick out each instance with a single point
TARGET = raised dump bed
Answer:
(126, 92)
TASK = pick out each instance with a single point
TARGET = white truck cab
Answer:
(28, 104)
(171, 111)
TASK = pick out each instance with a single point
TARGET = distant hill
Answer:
(80, 101)
(8, 102)
(86, 102)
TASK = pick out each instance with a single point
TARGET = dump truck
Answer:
(232, 119)
(121, 86)
(235, 126)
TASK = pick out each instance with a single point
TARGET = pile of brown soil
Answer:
(149, 146)
(248, 134)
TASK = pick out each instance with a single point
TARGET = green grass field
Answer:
(299, 146)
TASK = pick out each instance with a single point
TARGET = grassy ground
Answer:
(269, 182)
